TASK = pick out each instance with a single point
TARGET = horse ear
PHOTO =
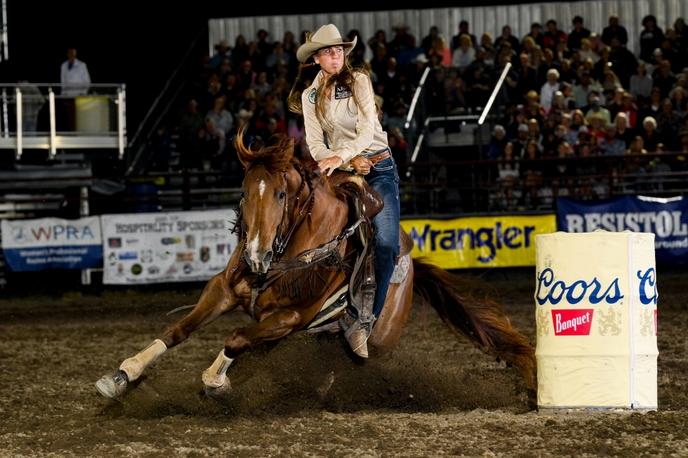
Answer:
(244, 154)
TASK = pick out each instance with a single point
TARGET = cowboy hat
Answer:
(325, 36)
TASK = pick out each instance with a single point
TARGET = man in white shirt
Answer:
(74, 75)
(75, 81)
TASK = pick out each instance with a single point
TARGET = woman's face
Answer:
(330, 59)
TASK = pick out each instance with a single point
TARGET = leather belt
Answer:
(379, 157)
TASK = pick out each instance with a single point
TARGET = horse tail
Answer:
(481, 320)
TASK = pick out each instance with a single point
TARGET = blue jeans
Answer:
(384, 178)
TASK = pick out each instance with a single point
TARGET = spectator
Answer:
(586, 52)
(582, 91)
(75, 81)
(507, 37)
(222, 119)
(598, 111)
(222, 52)
(641, 82)
(548, 89)
(649, 134)
(623, 62)
(497, 143)
(240, 51)
(429, 39)
(463, 30)
(553, 36)
(614, 30)
(464, 54)
(74, 75)
(651, 38)
(507, 177)
(611, 144)
(577, 34)
(622, 129)
(536, 34)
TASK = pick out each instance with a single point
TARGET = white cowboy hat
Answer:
(325, 36)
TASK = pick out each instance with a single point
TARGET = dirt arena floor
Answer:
(303, 396)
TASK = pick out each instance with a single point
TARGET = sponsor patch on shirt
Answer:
(311, 96)
(341, 92)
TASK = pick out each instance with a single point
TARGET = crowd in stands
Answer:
(571, 93)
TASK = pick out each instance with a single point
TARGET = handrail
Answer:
(416, 95)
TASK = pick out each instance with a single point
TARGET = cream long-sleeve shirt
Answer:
(354, 129)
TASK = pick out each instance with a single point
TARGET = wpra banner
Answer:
(485, 241)
(52, 243)
(666, 218)
(163, 247)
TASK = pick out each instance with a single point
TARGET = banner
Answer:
(485, 241)
(52, 243)
(666, 218)
(166, 247)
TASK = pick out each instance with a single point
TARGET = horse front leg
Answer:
(217, 298)
(272, 327)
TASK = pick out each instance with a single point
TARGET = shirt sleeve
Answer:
(365, 121)
(315, 137)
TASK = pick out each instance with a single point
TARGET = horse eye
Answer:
(282, 195)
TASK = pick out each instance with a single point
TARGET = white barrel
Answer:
(596, 315)
(92, 114)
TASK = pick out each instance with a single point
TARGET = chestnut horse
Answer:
(292, 271)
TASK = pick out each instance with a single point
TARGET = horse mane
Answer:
(278, 156)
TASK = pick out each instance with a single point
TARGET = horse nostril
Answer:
(267, 259)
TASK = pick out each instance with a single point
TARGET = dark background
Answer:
(139, 43)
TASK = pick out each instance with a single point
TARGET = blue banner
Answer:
(52, 243)
(666, 218)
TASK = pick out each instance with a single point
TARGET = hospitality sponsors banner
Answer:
(52, 243)
(166, 247)
(666, 218)
(483, 241)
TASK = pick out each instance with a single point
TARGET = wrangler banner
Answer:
(484, 241)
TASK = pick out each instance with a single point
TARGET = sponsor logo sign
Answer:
(52, 243)
(478, 241)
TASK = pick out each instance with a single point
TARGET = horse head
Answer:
(270, 188)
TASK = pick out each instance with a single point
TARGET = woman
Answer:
(343, 131)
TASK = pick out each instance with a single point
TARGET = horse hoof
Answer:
(113, 386)
(219, 392)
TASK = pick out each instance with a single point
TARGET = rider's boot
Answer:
(357, 333)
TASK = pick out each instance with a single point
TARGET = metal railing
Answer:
(36, 116)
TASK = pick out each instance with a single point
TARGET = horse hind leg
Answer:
(216, 299)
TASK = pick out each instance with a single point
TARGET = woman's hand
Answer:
(361, 165)
(330, 164)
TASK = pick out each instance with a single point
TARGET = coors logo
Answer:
(572, 322)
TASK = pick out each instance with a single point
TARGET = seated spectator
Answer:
(598, 111)
(586, 52)
(649, 134)
(548, 89)
(531, 172)
(464, 54)
(622, 129)
(577, 34)
(630, 109)
(507, 177)
(641, 82)
(679, 101)
(222, 119)
(582, 90)
(611, 145)
(507, 37)
(495, 148)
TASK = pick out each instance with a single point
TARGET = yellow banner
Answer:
(484, 241)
